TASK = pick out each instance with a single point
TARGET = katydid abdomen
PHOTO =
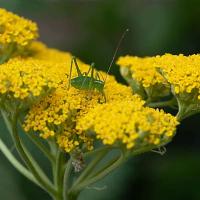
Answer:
(87, 83)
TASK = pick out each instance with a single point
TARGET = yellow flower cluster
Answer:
(56, 115)
(183, 72)
(28, 78)
(143, 69)
(15, 29)
(130, 123)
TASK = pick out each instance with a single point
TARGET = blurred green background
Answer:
(90, 29)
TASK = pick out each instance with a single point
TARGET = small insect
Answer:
(78, 162)
(91, 80)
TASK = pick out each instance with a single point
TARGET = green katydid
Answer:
(91, 80)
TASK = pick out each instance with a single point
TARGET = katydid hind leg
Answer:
(77, 67)
(92, 72)
(70, 74)
(87, 73)
(91, 83)
(98, 76)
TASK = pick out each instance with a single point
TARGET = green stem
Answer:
(36, 171)
(41, 146)
(185, 110)
(109, 167)
(161, 104)
(36, 140)
(46, 184)
(58, 174)
(90, 177)
(72, 196)
(98, 157)
(180, 115)
(72, 193)
(5, 117)
(105, 167)
(66, 180)
(4, 149)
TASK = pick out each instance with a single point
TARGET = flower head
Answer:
(177, 75)
(183, 74)
(143, 69)
(129, 123)
(56, 115)
(142, 75)
(26, 80)
(15, 30)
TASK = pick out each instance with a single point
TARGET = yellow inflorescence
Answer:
(183, 72)
(26, 78)
(130, 123)
(15, 29)
(143, 69)
(56, 115)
